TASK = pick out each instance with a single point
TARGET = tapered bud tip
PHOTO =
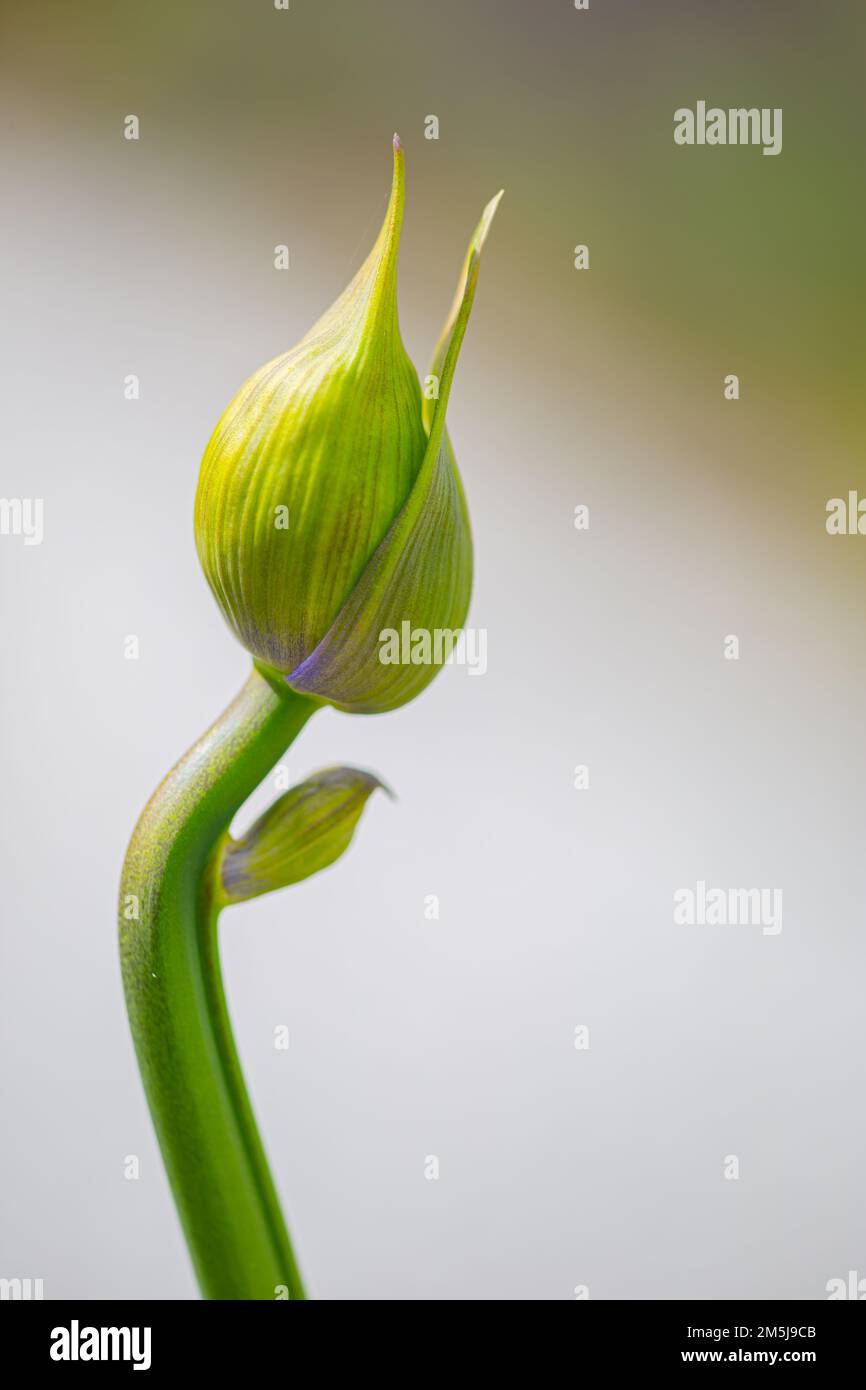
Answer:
(397, 142)
(487, 217)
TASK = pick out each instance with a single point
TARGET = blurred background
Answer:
(410, 1037)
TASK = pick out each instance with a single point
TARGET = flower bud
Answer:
(329, 506)
(304, 831)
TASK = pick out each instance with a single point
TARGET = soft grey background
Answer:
(452, 1037)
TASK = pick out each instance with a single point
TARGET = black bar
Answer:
(245, 1337)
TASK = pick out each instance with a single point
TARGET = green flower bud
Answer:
(329, 506)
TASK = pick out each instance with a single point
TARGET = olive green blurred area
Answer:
(704, 252)
(262, 126)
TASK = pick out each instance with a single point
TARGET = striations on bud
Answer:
(329, 506)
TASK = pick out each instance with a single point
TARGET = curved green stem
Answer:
(169, 906)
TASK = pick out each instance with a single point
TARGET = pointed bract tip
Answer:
(341, 775)
(487, 215)
(483, 227)
(366, 779)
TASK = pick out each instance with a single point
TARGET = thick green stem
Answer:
(169, 906)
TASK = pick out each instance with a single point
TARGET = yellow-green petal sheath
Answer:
(473, 251)
(306, 830)
(310, 464)
(421, 574)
